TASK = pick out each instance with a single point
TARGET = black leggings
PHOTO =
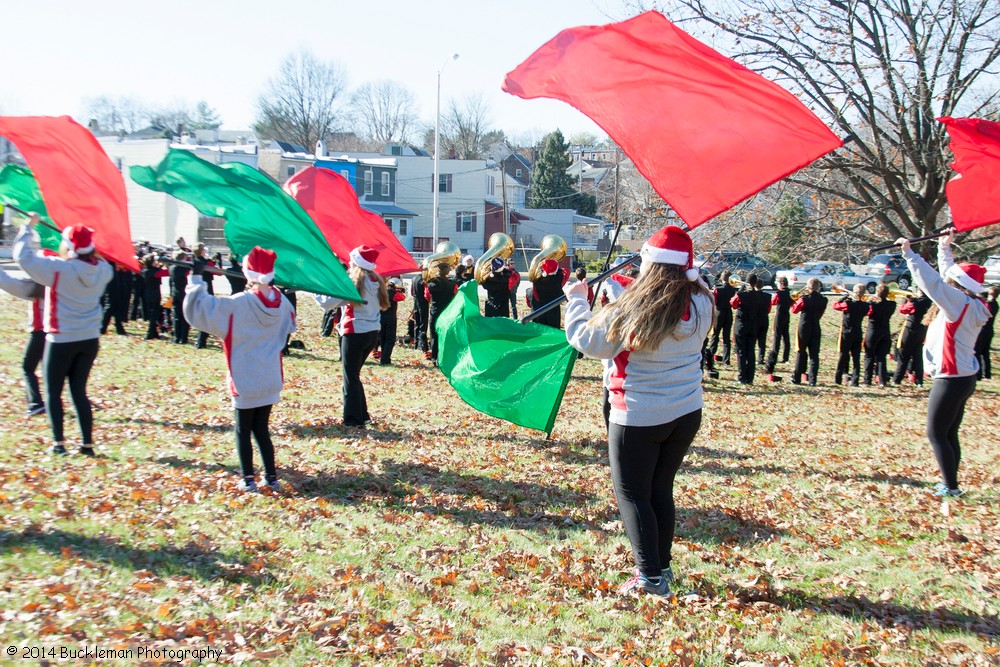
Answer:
(33, 352)
(254, 421)
(945, 409)
(644, 461)
(354, 349)
(72, 361)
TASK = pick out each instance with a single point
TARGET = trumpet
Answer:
(797, 294)
(896, 293)
(736, 282)
(840, 289)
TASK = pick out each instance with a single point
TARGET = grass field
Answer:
(440, 536)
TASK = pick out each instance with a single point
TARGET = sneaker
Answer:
(668, 575)
(940, 490)
(86, 450)
(658, 586)
(956, 493)
(37, 410)
(58, 449)
(247, 485)
(273, 484)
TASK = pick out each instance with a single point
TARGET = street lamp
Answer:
(437, 148)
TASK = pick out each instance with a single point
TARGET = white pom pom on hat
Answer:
(79, 240)
(364, 257)
(968, 275)
(671, 245)
(258, 265)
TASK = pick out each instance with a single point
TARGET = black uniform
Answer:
(910, 349)
(115, 300)
(178, 283)
(545, 290)
(420, 313)
(387, 325)
(151, 300)
(497, 288)
(751, 310)
(878, 340)
(723, 322)
(810, 309)
(851, 334)
(782, 300)
(984, 341)
(441, 292)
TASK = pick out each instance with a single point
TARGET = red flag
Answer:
(79, 183)
(333, 205)
(704, 130)
(974, 194)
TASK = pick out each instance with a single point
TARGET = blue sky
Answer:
(56, 53)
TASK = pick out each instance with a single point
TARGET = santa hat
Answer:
(550, 266)
(968, 275)
(671, 245)
(258, 265)
(468, 260)
(364, 257)
(79, 240)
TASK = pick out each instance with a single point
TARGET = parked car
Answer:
(888, 268)
(828, 273)
(740, 264)
(992, 266)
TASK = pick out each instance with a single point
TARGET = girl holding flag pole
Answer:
(253, 326)
(653, 334)
(74, 285)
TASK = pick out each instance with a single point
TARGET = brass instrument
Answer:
(501, 246)
(553, 247)
(736, 282)
(445, 253)
(840, 289)
(797, 294)
(896, 293)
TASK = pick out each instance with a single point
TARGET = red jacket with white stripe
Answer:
(949, 349)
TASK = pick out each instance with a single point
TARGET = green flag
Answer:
(512, 371)
(257, 212)
(19, 189)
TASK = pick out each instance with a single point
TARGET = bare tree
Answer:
(300, 104)
(385, 112)
(465, 129)
(117, 114)
(879, 72)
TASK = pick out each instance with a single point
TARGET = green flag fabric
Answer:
(257, 212)
(18, 188)
(508, 370)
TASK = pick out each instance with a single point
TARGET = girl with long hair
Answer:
(653, 334)
(957, 315)
(359, 327)
(74, 284)
(878, 337)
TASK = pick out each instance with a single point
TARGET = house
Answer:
(281, 160)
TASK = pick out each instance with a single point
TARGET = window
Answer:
(517, 173)
(423, 244)
(444, 182)
(385, 184)
(368, 182)
(402, 226)
(465, 221)
(347, 175)
(388, 223)
(491, 183)
(291, 171)
(395, 150)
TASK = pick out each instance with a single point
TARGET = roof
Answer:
(288, 147)
(387, 209)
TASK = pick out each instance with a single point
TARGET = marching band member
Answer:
(388, 321)
(878, 336)
(547, 288)
(854, 309)
(201, 257)
(751, 307)
(653, 334)
(810, 308)
(497, 286)
(949, 350)
(723, 329)
(253, 326)
(439, 291)
(910, 348)
(359, 327)
(513, 281)
(74, 284)
(28, 289)
(421, 313)
(985, 339)
(782, 300)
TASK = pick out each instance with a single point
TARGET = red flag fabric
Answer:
(78, 181)
(704, 130)
(974, 194)
(332, 203)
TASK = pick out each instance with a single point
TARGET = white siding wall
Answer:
(153, 216)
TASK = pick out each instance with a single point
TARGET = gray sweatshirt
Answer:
(949, 349)
(357, 317)
(253, 335)
(73, 289)
(646, 388)
(28, 289)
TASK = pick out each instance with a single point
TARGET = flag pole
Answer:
(935, 235)
(163, 259)
(593, 281)
(28, 215)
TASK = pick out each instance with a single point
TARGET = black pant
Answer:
(761, 342)
(420, 316)
(850, 350)
(746, 341)
(354, 349)
(910, 355)
(983, 354)
(137, 303)
(33, 352)
(945, 409)
(876, 352)
(387, 337)
(151, 308)
(807, 354)
(513, 302)
(723, 330)
(779, 345)
(181, 326)
(644, 461)
(71, 361)
(254, 421)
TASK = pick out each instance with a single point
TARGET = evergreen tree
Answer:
(790, 231)
(551, 185)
